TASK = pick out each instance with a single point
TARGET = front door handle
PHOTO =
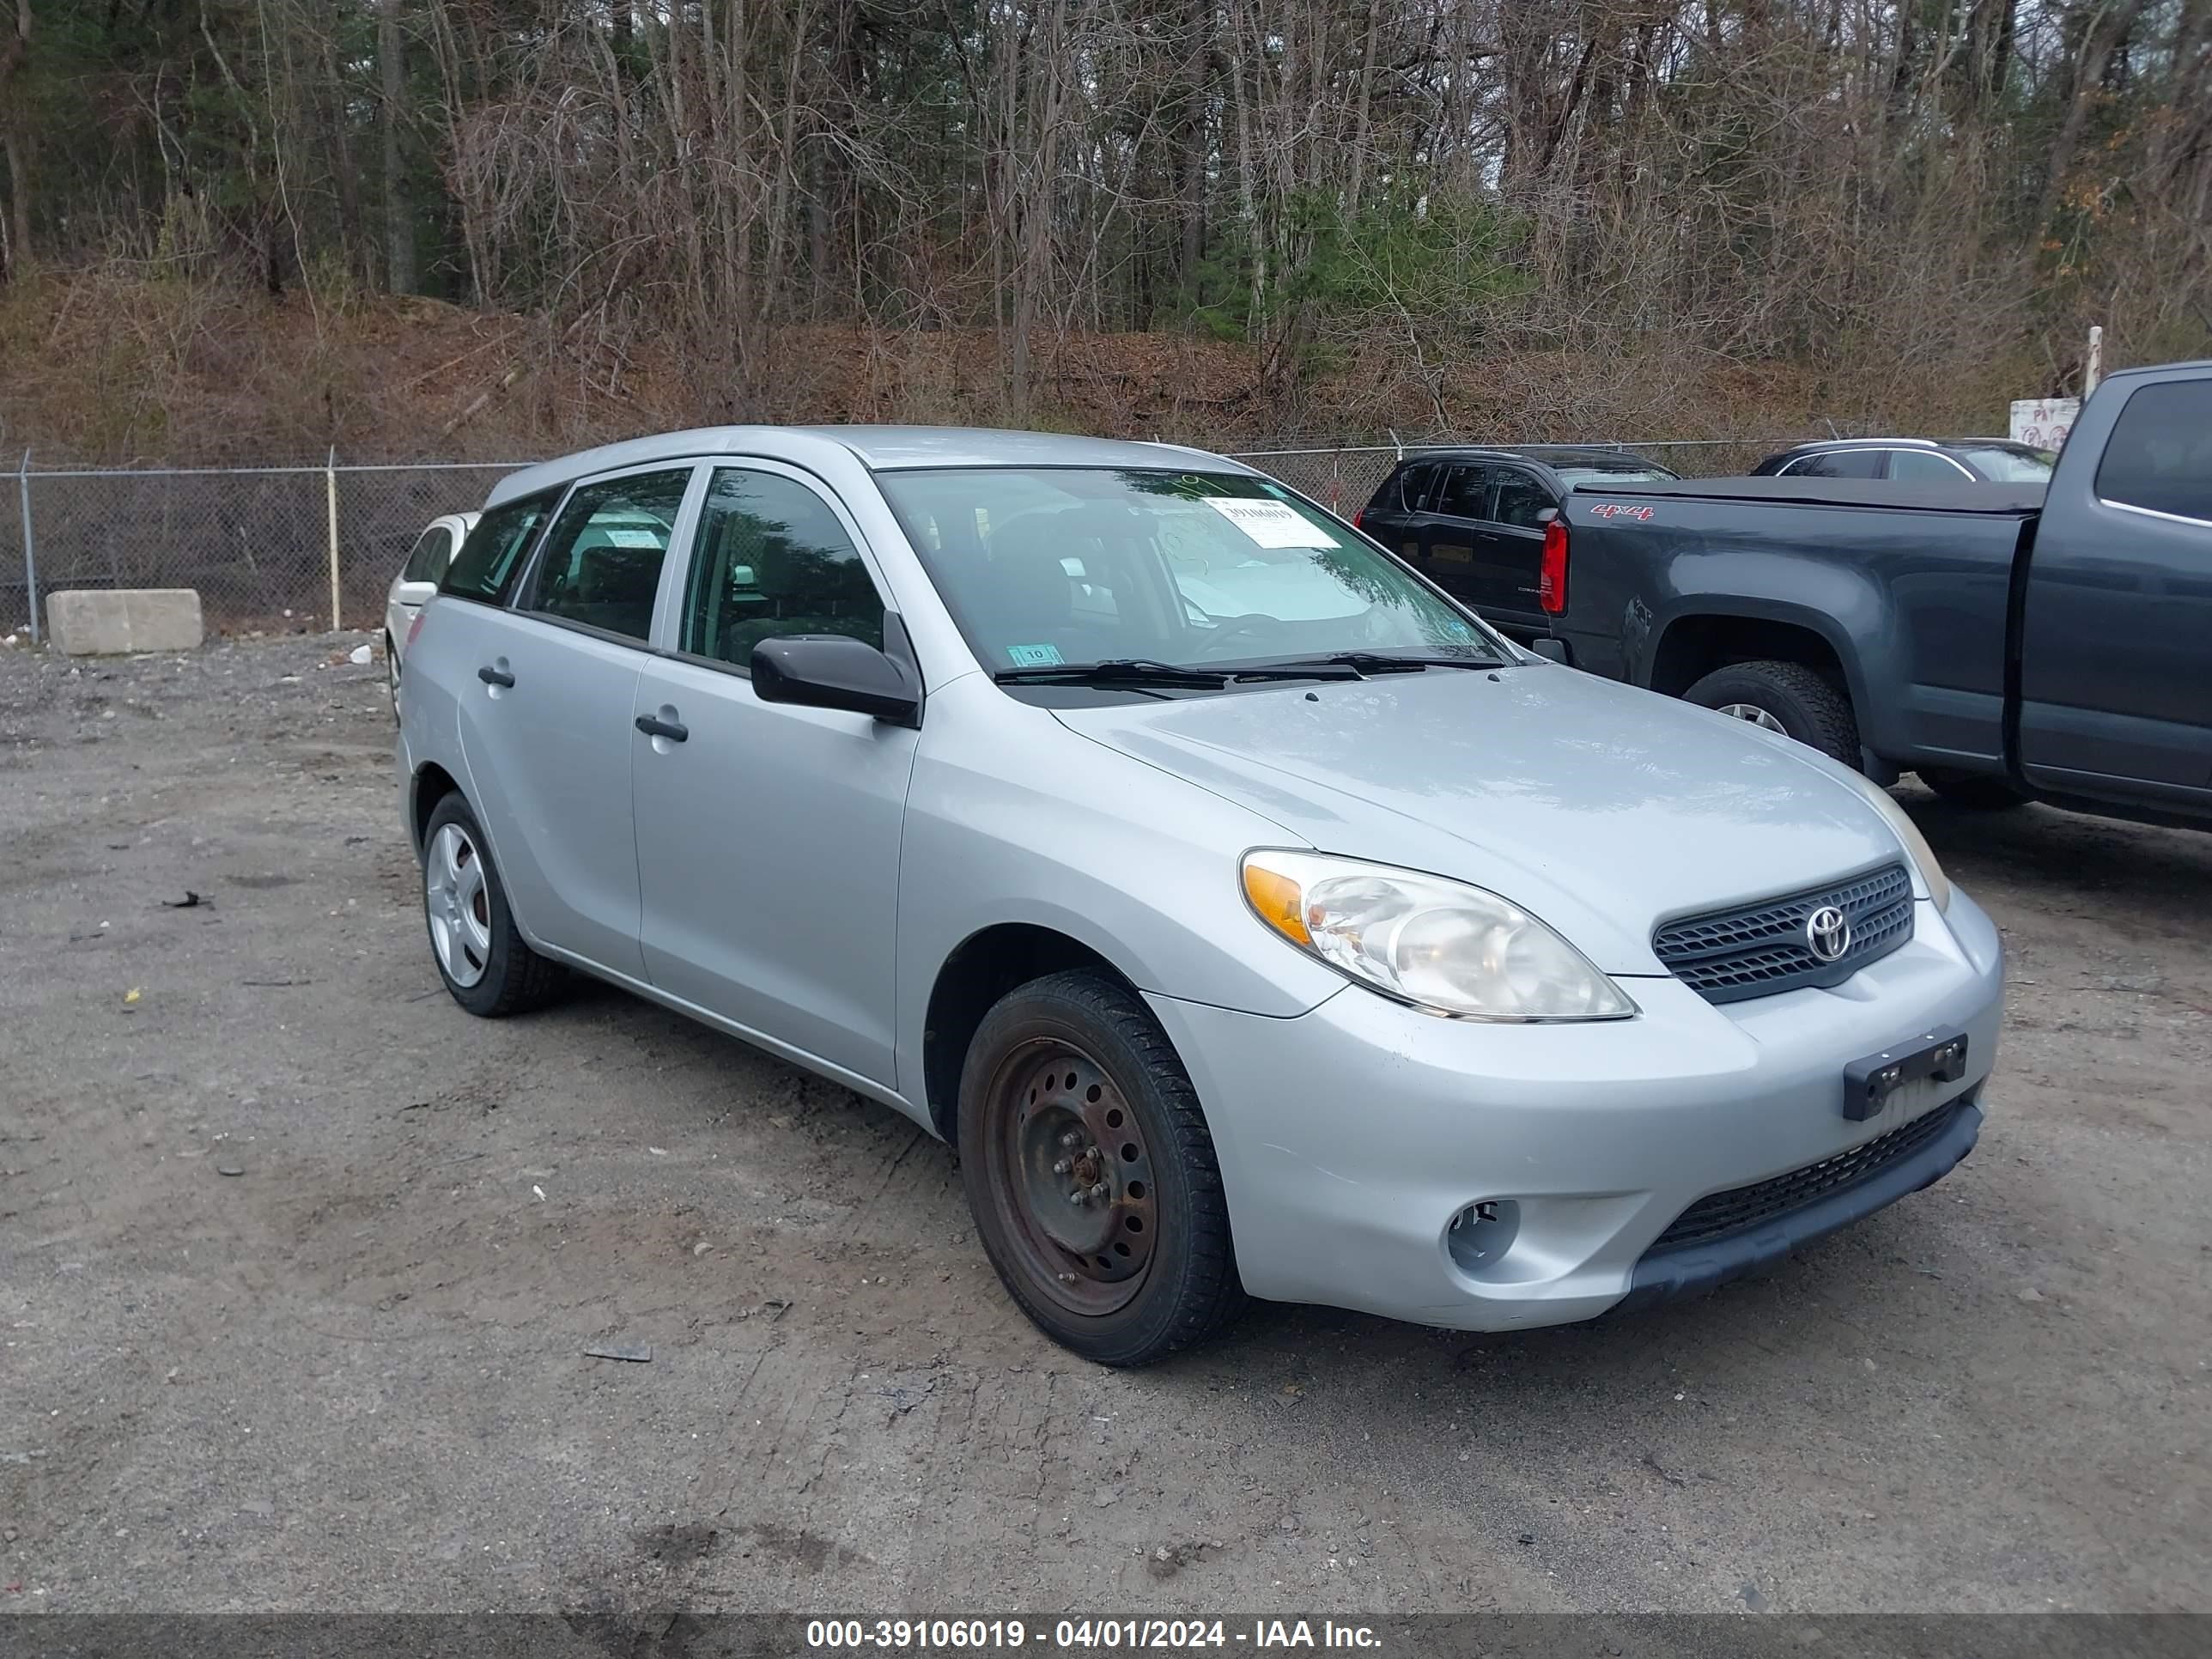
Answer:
(491, 675)
(653, 726)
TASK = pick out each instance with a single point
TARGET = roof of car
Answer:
(1550, 454)
(1864, 443)
(882, 448)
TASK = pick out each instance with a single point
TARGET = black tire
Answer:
(512, 979)
(392, 677)
(1124, 1087)
(1977, 794)
(1805, 705)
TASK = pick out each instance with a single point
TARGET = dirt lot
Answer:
(297, 1264)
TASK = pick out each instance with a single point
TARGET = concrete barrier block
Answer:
(105, 622)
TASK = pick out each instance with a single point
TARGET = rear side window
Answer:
(1837, 463)
(1466, 493)
(2159, 455)
(601, 566)
(487, 561)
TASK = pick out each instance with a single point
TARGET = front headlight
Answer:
(1438, 944)
(1916, 844)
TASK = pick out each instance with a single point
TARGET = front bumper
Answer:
(1351, 1137)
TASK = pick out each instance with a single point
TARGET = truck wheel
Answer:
(1091, 1173)
(486, 963)
(1786, 697)
(1977, 793)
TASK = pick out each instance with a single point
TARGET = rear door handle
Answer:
(491, 675)
(653, 726)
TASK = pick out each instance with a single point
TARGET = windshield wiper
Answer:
(1115, 670)
(1376, 662)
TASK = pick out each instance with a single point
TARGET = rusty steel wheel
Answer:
(1073, 1175)
(1091, 1172)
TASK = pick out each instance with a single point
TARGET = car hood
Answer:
(1602, 809)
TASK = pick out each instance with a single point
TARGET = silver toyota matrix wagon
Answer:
(1253, 919)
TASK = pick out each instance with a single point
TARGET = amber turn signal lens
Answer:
(1279, 900)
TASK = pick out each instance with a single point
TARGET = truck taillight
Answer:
(1551, 581)
(1356, 518)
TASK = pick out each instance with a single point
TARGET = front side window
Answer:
(1083, 565)
(487, 560)
(2007, 464)
(2159, 455)
(601, 567)
(1522, 501)
(428, 560)
(1924, 466)
(771, 560)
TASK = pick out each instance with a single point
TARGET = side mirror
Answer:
(417, 594)
(1550, 649)
(830, 671)
(1545, 514)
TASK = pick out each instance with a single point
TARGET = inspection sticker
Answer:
(1035, 656)
(1271, 524)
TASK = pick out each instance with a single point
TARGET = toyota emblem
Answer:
(1828, 933)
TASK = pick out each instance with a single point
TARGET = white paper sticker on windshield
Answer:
(1271, 524)
(639, 538)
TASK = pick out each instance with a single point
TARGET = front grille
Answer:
(1726, 956)
(1746, 1207)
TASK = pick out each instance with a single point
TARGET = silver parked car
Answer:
(416, 583)
(1252, 917)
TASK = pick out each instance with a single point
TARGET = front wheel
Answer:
(391, 675)
(1091, 1174)
(1786, 697)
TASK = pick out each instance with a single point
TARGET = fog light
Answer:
(1478, 1236)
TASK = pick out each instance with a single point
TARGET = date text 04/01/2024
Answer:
(1083, 1634)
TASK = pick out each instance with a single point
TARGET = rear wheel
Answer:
(1786, 697)
(391, 675)
(1091, 1173)
(486, 963)
(1977, 793)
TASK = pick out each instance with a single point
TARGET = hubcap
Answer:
(1074, 1175)
(1755, 714)
(459, 909)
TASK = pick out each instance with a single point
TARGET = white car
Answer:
(417, 580)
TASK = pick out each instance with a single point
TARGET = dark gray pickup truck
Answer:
(2006, 642)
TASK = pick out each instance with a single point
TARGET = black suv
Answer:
(1472, 520)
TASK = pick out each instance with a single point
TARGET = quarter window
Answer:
(601, 566)
(771, 560)
(2159, 455)
(487, 560)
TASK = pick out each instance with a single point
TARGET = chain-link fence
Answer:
(310, 547)
(276, 548)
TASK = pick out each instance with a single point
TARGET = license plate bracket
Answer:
(1869, 1083)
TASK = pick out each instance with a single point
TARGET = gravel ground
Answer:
(298, 1265)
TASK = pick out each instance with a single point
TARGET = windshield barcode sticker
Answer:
(1271, 524)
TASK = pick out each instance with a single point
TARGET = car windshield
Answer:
(1580, 474)
(2006, 465)
(1052, 566)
